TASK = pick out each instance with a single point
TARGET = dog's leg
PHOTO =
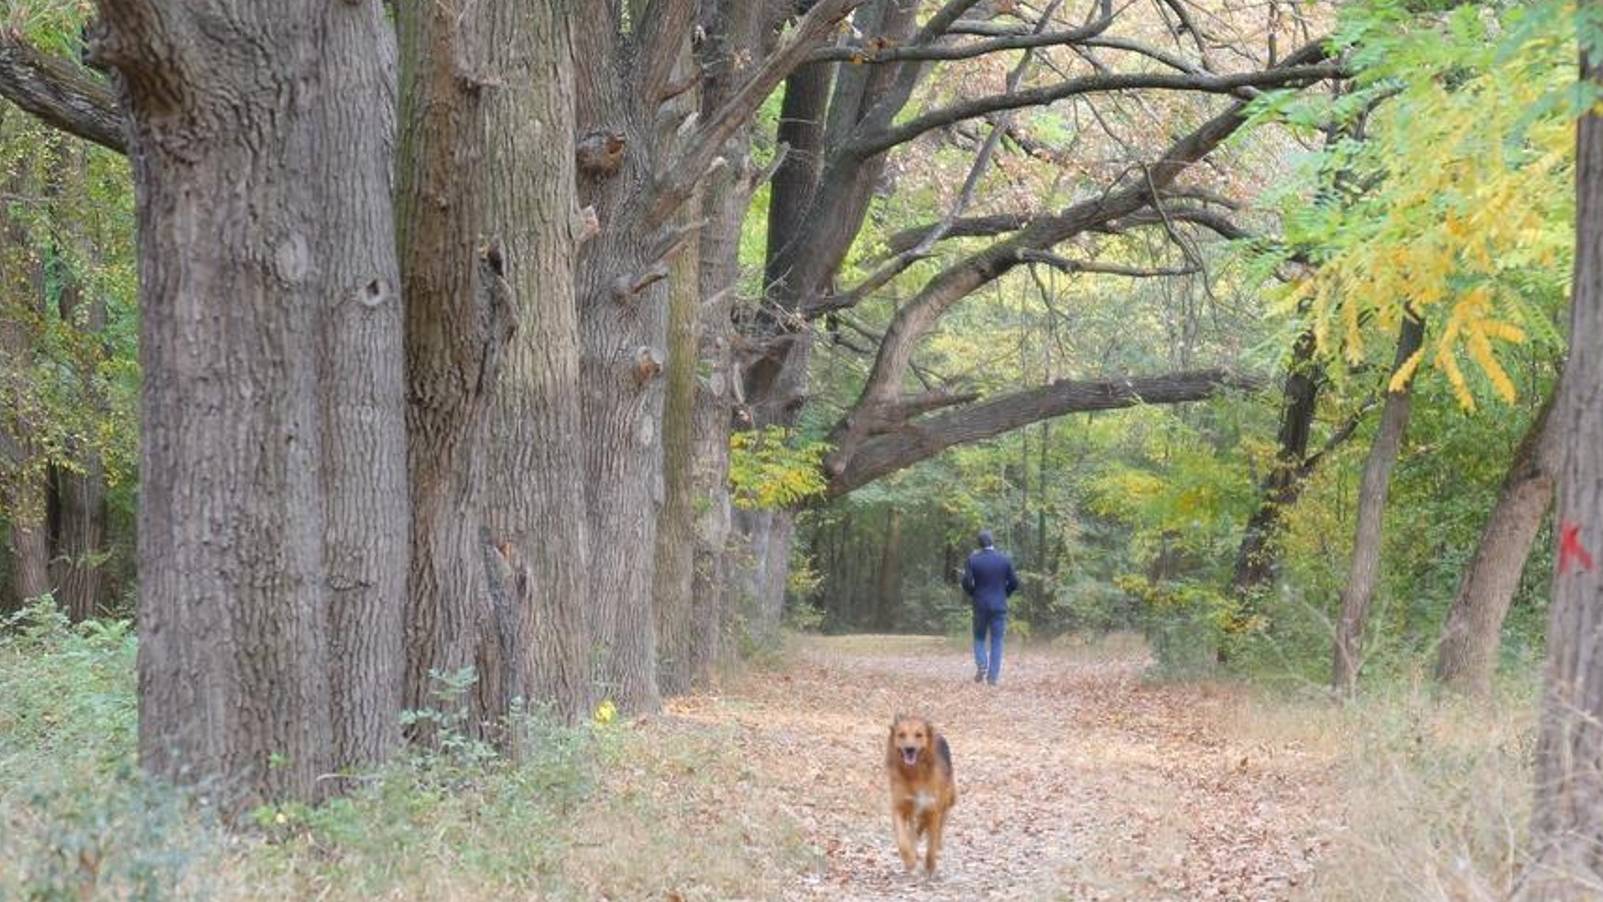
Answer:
(904, 840)
(936, 824)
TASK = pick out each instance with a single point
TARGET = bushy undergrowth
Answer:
(78, 820)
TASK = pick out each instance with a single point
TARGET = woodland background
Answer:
(636, 335)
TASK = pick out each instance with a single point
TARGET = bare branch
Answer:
(1215, 222)
(1341, 434)
(861, 53)
(878, 142)
(1178, 63)
(921, 439)
(920, 314)
(962, 227)
(762, 176)
(982, 161)
(1187, 23)
(679, 180)
(60, 93)
(675, 88)
(1109, 269)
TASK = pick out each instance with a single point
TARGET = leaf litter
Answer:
(1077, 778)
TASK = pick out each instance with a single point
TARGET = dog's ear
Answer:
(929, 731)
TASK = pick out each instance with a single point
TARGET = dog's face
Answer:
(911, 737)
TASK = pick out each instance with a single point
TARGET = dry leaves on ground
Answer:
(1076, 778)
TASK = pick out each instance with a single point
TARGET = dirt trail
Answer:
(1076, 778)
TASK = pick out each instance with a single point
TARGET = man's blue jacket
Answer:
(988, 578)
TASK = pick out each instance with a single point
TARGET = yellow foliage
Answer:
(1474, 203)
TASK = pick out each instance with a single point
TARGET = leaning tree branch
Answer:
(1213, 221)
(921, 439)
(877, 142)
(60, 93)
(890, 102)
(1178, 63)
(690, 166)
(662, 31)
(962, 227)
(867, 53)
(991, 225)
(1108, 269)
(919, 315)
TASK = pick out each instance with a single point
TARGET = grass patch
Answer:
(1431, 793)
(621, 810)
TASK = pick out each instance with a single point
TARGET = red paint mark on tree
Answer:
(1570, 549)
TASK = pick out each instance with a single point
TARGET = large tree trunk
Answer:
(460, 320)
(1365, 568)
(622, 407)
(1567, 832)
(1466, 658)
(78, 536)
(671, 592)
(272, 510)
(673, 571)
(535, 512)
(734, 37)
(817, 207)
(361, 385)
(622, 287)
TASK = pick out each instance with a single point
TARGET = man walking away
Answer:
(988, 579)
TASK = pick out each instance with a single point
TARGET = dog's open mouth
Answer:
(909, 757)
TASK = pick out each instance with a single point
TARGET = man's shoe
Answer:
(979, 676)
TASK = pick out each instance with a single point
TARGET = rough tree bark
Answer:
(460, 320)
(737, 34)
(676, 548)
(361, 386)
(60, 93)
(535, 513)
(622, 293)
(674, 568)
(1567, 831)
(270, 346)
(1466, 657)
(637, 168)
(1365, 567)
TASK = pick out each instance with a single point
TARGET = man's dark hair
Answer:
(985, 539)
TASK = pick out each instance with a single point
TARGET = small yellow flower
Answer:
(606, 712)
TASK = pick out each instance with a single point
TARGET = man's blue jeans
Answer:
(993, 623)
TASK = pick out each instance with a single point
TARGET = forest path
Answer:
(1076, 778)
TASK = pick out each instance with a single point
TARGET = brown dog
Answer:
(922, 790)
